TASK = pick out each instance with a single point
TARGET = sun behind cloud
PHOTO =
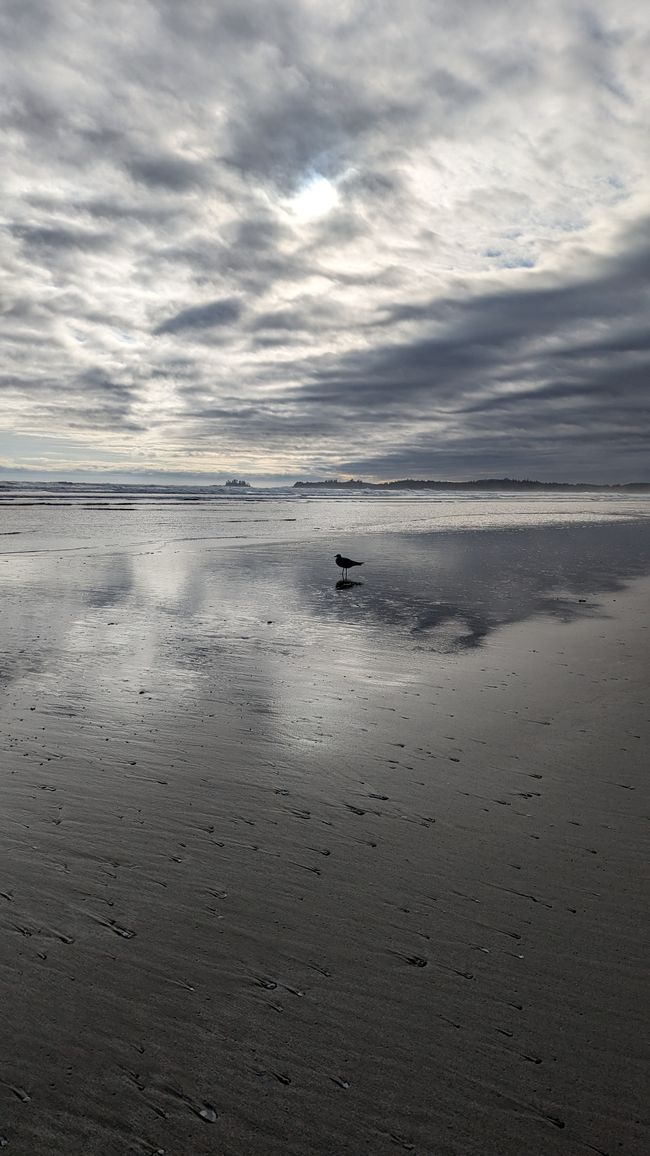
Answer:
(315, 199)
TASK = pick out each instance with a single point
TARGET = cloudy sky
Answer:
(306, 238)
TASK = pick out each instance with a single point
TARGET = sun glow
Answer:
(315, 199)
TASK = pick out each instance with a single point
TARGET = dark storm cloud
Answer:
(495, 336)
(573, 396)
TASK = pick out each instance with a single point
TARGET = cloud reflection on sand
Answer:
(169, 614)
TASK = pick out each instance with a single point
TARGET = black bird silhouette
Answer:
(345, 564)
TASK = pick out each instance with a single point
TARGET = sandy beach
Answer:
(286, 869)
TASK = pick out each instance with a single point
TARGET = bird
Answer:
(345, 564)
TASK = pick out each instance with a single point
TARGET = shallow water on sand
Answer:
(169, 595)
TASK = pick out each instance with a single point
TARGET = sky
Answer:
(325, 238)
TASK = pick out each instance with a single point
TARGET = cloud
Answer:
(166, 172)
(475, 300)
(61, 238)
(214, 313)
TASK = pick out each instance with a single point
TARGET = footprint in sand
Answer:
(414, 960)
(115, 927)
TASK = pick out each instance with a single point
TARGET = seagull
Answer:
(345, 564)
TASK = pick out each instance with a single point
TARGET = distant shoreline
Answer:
(514, 484)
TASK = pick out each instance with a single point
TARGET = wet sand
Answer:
(324, 898)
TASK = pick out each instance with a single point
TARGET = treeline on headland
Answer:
(476, 484)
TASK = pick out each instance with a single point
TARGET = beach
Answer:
(293, 869)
